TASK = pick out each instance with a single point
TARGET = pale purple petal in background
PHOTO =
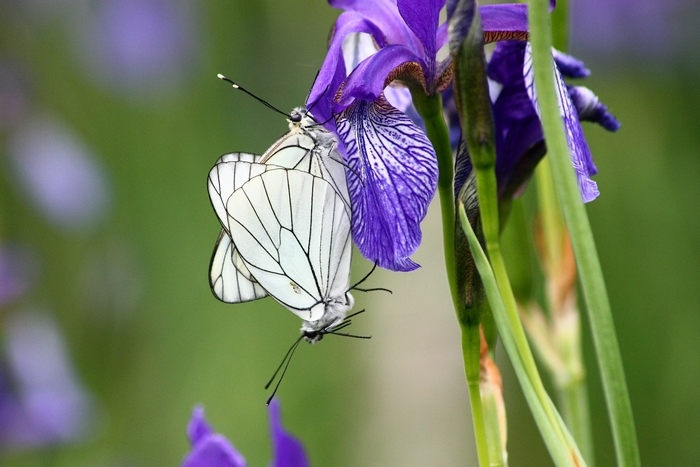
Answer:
(141, 47)
(58, 174)
(635, 29)
(41, 403)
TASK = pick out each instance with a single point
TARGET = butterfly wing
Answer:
(229, 173)
(313, 154)
(227, 280)
(293, 233)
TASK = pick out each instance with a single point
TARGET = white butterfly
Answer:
(286, 226)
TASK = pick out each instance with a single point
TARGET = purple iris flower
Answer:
(519, 137)
(211, 449)
(393, 170)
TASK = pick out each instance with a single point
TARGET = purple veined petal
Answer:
(287, 451)
(59, 175)
(422, 17)
(368, 80)
(570, 66)
(392, 178)
(209, 449)
(506, 20)
(580, 153)
(590, 108)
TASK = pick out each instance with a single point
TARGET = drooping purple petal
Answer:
(422, 16)
(392, 177)
(287, 451)
(333, 71)
(517, 123)
(368, 80)
(570, 66)
(590, 108)
(581, 157)
(384, 14)
(209, 449)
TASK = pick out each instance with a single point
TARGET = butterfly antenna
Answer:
(291, 349)
(289, 360)
(262, 101)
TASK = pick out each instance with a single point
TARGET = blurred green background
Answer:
(134, 82)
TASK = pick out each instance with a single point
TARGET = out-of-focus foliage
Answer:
(120, 99)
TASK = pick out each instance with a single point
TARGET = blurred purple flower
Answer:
(58, 174)
(642, 29)
(41, 402)
(18, 269)
(138, 46)
(211, 449)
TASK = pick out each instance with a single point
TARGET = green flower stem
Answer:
(430, 109)
(590, 272)
(562, 448)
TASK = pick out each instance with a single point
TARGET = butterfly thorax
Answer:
(302, 121)
(334, 314)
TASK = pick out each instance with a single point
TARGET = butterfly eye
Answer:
(295, 117)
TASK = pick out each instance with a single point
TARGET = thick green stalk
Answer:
(430, 109)
(590, 272)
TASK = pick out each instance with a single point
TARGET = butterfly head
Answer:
(300, 118)
(333, 316)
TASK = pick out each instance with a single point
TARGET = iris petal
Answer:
(581, 157)
(421, 16)
(287, 451)
(392, 177)
(368, 80)
(333, 72)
